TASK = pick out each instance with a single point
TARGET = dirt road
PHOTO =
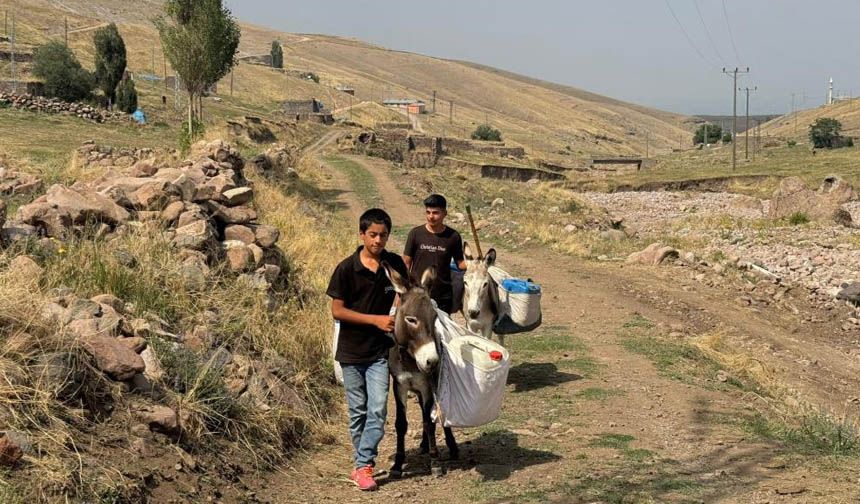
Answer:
(600, 407)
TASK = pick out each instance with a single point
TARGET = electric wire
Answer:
(708, 32)
(731, 36)
(687, 36)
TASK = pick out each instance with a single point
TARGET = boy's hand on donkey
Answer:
(384, 322)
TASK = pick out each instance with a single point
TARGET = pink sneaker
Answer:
(363, 477)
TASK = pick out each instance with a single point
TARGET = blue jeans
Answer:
(366, 388)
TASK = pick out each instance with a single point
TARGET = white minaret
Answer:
(830, 92)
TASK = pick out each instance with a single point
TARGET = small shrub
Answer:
(186, 140)
(791, 143)
(126, 96)
(798, 218)
(311, 76)
(727, 138)
(487, 133)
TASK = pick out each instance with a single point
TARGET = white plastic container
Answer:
(520, 303)
(473, 378)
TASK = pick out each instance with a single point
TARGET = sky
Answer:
(633, 50)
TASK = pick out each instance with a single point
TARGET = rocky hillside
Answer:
(150, 322)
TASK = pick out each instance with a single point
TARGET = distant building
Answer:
(407, 104)
(346, 89)
(312, 106)
(311, 110)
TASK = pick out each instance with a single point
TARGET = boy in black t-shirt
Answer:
(362, 297)
(435, 244)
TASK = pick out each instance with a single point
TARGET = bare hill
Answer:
(544, 117)
(788, 126)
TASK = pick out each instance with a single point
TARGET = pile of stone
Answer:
(13, 183)
(91, 154)
(825, 204)
(204, 207)
(56, 106)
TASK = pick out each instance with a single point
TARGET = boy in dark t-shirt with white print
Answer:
(435, 244)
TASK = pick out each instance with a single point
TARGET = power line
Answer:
(687, 36)
(731, 37)
(708, 32)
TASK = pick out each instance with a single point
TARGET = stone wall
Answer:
(501, 172)
(55, 106)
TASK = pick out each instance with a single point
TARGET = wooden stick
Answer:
(474, 231)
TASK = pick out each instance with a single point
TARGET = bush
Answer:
(727, 138)
(185, 140)
(277, 55)
(798, 218)
(824, 133)
(63, 75)
(791, 143)
(311, 76)
(487, 133)
(714, 132)
(126, 96)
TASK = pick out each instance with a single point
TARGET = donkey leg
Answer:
(453, 449)
(401, 424)
(427, 404)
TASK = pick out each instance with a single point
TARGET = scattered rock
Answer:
(159, 418)
(266, 236)
(10, 452)
(238, 196)
(654, 255)
(240, 233)
(112, 357)
(497, 202)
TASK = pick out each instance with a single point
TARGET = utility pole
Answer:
(705, 130)
(231, 83)
(152, 65)
(434, 101)
(747, 129)
(6, 23)
(451, 111)
(67, 31)
(647, 142)
(734, 74)
(14, 82)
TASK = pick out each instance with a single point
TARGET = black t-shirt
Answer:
(435, 249)
(363, 291)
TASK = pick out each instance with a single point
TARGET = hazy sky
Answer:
(633, 50)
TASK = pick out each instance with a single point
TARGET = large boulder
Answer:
(61, 207)
(113, 357)
(240, 233)
(653, 255)
(794, 196)
(231, 215)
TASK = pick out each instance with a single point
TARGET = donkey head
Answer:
(478, 287)
(415, 322)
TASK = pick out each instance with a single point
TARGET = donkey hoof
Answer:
(434, 453)
(395, 473)
(423, 449)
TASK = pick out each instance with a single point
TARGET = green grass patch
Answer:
(798, 218)
(638, 321)
(549, 340)
(361, 180)
(813, 434)
(596, 394)
(621, 442)
(586, 366)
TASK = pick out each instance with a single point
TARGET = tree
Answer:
(277, 55)
(487, 132)
(727, 137)
(126, 96)
(200, 39)
(714, 133)
(110, 60)
(824, 133)
(63, 75)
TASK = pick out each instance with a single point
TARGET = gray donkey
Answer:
(480, 294)
(413, 362)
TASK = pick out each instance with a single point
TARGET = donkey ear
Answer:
(428, 277)
(467, 252)
(490, 259)
(400, 284)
